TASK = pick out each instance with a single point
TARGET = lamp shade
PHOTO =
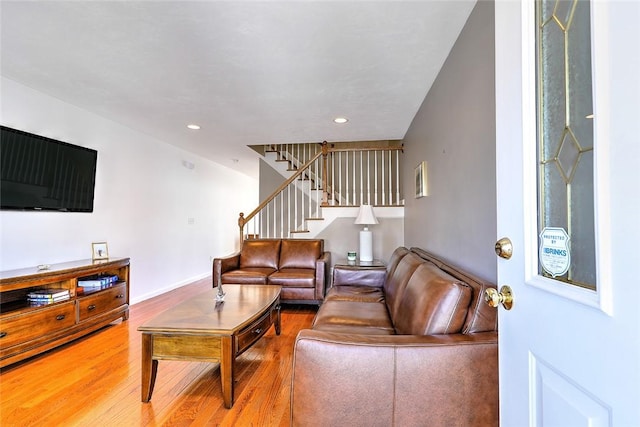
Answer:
(366, 215)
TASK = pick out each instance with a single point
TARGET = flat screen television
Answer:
(38, 173)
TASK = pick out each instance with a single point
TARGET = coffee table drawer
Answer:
(249, 335)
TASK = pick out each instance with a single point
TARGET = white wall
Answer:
(144, 197)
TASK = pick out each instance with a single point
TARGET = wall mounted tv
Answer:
(38, 173)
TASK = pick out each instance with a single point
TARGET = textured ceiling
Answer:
(248, 72)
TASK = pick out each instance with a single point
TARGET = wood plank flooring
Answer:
(95, 381)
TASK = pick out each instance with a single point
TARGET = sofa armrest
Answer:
(347, 275)
(436, 380)
(224, 264)
(322, 275)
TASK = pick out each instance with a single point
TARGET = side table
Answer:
(359, 265)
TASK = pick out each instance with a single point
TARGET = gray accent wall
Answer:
(269, 180)
(454, 131)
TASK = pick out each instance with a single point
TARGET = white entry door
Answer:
(570, 354)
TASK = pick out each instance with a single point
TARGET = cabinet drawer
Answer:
(37, 324)
(249, 335)
(102, 301)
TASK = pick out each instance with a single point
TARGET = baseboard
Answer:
(168, 288)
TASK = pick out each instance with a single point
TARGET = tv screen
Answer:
(38, 173)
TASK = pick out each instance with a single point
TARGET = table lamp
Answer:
(366, 217)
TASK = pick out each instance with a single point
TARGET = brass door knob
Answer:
(495, 298)
(504, 248)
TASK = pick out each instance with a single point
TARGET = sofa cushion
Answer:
(354, 329)
(300, 253)
(433, 302)
(260, 253)
(247, 276)
(361, 293)
(352, 313)
(395, 258)
(396, 282)
(298, 277)
(481, 317)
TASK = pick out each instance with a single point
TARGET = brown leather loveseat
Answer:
(414, 345)
(300, 266)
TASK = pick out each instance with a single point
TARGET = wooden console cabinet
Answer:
(27, 330)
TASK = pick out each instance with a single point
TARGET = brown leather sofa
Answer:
(414, 345)
(300, 266)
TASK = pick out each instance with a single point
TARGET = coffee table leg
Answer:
(227, 363)
(149, 367)
(277, 325)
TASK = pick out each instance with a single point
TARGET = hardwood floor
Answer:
(95, 381)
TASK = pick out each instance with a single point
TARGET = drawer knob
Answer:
(3, 334)
(119, 296)
(60, 317)
(91, 307)
(257, 331)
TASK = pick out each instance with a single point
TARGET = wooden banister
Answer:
(346, 190)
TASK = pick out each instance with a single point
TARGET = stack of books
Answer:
(99, 282)
(47, 296)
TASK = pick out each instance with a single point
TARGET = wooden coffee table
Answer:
(201, 329)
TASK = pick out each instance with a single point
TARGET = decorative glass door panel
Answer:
(566, 223)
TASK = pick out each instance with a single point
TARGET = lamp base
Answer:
(366, 245)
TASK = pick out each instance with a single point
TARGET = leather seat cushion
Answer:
(433, 302)
(355, 293)
(298, 277)
(351, 329)
(352, 313)
(248, 276)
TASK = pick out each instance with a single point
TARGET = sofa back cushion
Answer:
(395, 258)
(396, 282)
(481, 317)
(300, 253)
(260, 253)
(433, 302)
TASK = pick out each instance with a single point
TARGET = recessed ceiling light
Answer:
(193, 127)
(341, 120)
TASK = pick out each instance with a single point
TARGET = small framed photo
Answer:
(99, 250)
(421, 180)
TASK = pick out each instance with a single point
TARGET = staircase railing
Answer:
(297, 155)
(330, 177)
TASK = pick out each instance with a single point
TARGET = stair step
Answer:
(314, 219)
(298, 231)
